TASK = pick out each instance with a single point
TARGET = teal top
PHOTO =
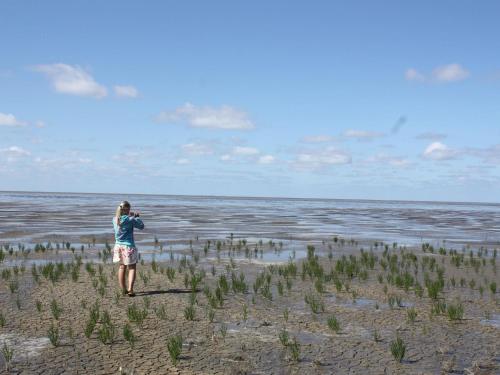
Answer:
(124, 233)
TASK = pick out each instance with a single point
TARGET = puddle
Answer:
(165, 256)
(369, 303)
(24, 347)
(407, 304)
(269, 257)
(177, 253)
(493, 321)
(256, 329)
(358, 303)
(269, 333)
(357, 331)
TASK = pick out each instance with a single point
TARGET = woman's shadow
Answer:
(168, 291)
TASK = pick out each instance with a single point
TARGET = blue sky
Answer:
(358, 99)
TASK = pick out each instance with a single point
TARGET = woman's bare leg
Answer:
(121, 276)
(131, 277)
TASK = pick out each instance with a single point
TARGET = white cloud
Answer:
(439, 151)
(226, 157)
(40, 124)
(245, 151)
(197, 149)
(450, 73)
(15, 151)
(225, 117)
(183, 161)
(73, 80)
(412, 74)
(126, 91)
(133, 157)
(490, 154)
(8, 119)
(317, 159)
(393, 161)
(66, 163)
(444, 73)
(266, 159)
(362, 134)
(318, 139)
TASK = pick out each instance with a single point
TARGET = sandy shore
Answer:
(246, 334)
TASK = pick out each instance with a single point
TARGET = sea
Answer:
(38, 217)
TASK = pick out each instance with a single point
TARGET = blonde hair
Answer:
(119, 211)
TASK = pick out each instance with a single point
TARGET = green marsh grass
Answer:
(106, 332)
(94, 312)
(333, 324)
(219, 296)
(376, 335)
(284, 337)
(89, 328)
(286, 313)
(438, 308)
(411, 315)
(128, 335)
(189, 312)
(174, 346)
(144, 277)
(101, 290)
(146, 300)
(266, 291)
(314, 302)
(223, 330)
(398, 349)
(6, 274)
(161, 312)
(455, 311)
(245, 312)
(8, 355)
(53, 334)
(493, 287)
(210, 314)
(13, 286)
(136, 315)
(433, 289)
(294, 348)
(171, 274)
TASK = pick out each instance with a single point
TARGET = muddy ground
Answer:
(244, 334)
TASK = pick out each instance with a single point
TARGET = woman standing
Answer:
(125, 253)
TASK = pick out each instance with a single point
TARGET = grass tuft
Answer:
(128, 335)
(174, 346)
(333, 324)
(53, 334)
(398, 349)
(8, 354)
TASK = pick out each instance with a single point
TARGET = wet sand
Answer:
(81, 218)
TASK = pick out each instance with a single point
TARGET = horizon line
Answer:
(254, 197)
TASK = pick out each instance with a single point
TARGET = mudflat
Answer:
(238, 306)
